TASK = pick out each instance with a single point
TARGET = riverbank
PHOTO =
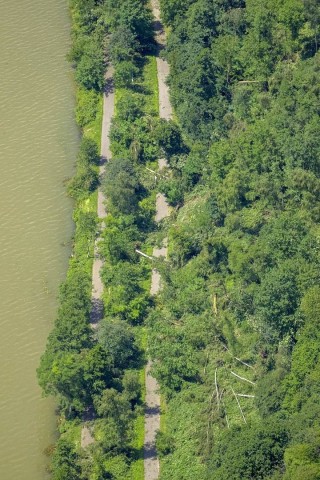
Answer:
(89, 370)
(38, 144)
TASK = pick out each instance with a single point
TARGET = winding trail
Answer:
(97, 285)
(152, 414)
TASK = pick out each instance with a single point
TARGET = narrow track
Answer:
(105, 153)
(152, 415)
(97, 285)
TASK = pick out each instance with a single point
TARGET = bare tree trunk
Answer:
(235, 396)
(242, 378)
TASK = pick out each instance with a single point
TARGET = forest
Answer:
(234, 333)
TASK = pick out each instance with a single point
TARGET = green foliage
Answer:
(119, 239)
(252, 452)
(277, 299)
(125, 74)
(213, 45)
(88, 372)
(240, 289)
(117, 468)
(130, 107)
(90, 69)
(123, 45)
(125, 296)
(87, 106)
(269, 396)
(180, 446)
(169, 138)
(121, 186)
(117, 339)
(131, 385)
(87, 51)
(65, 462)
(302, 461)
(86, 179)
(114, 431)
(171, 8)
(164, 444)
(134, 15)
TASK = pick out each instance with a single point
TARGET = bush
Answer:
(87, 106)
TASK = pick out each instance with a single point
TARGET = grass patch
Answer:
(71, 431)
(150, 82)
(84, 235)
(137, 467)
(94, 129)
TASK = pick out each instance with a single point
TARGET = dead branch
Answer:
(225, 410)
(243, 363)
(208, 428)
(235, 396)
(143, 254)
(228, 424)
(156, 174)
(243, 395)
(205, 367)
(221, 395)
(236, 358)
(251, 81)
(215, 309)
(242, 378)
(217, 390)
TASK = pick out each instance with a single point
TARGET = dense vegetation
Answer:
(95, 375)
(239, 310)
(241, 291)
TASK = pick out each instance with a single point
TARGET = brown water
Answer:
(38, 142)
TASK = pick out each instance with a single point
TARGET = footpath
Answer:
(152, 413)
(97, 285)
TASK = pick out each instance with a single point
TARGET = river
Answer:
(38, 143)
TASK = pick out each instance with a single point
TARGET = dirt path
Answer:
(97, 286)
(152, 415)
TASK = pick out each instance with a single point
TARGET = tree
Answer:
(132, 386)
(138, 18)
(117, 338)
(91, 67)
(65, 464)
(301, 462)
(169, 138)
(125, 74)
(88, 152)
(126, 297)
(123, 45)
(121, 186)
(87, 106)
(116, 425)
(277, 299)
(251, 452)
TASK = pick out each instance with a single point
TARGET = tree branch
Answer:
(235, 396)
(242, 378)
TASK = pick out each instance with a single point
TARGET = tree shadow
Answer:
(97, 311)
(109, 86)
